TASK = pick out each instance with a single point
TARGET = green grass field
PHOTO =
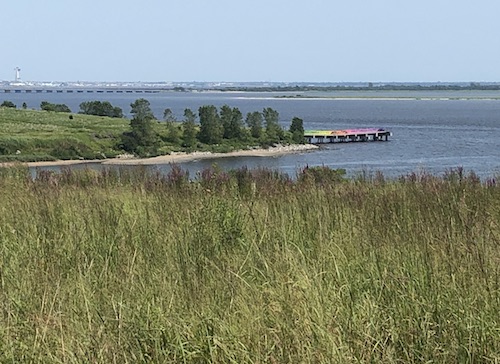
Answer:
(28, 135)
(248, 267)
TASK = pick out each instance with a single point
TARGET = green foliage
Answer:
(274, 132)
(100, 108)
(142, 140)
(47, 106)
(72, 149)
(254, 120)
(232, 120)
(169, 116)
(189, 116)
(174, 130)
(10, 145)
(174, 133)
(189, 130)
(226, 115)
(297, 130)
(322, 175)
(141, 110)
(211, 128)
(248, 267)
(8, 104)
(28, 135)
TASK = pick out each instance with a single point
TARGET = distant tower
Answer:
(18, 74)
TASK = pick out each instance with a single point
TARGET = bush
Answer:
(10, 146)
(100, 108)
(72, 149)
(47, 106)
(322, 175)
(8, 104)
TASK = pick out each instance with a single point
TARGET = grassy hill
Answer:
(248, 267)
(28, 135)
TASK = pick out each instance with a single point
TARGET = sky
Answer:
(251, 40)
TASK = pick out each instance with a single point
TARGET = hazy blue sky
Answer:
(257, 40)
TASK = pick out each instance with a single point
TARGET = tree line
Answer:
(224, 127)
(97, 108)
(10, 105)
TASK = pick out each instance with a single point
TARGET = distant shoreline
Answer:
(372, 98)
(173, 158)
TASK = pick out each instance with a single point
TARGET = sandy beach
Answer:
(180, 157)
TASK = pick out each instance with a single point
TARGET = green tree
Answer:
(237, 126)
(8, 104)
(169, 116)
(274, 132)
(189, 115)
(142, 139)
(189, 129)
(173, 130)
(254, 121)
(297, 130)
(100, 108)
(117, 112)
(47, 106)
(174, 133)
(232, 123)
(211, 129)
(226, 114)
(141, 110)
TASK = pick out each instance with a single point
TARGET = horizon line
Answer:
(252, 82)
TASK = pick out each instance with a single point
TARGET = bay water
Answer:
(432, 131)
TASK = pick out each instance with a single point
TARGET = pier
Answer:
(347, 135)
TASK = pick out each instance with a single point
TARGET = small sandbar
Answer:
(175, 157)
(188, 157)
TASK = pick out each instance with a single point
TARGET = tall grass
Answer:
(248, 267)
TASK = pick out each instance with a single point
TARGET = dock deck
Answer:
(346, 135)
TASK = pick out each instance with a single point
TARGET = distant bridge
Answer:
(38, 90)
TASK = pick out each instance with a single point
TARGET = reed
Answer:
(248, 267)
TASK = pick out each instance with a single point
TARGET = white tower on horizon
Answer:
(18, 74)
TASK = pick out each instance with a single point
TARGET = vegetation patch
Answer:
(100, 131)
(248, 266)
(27, 135)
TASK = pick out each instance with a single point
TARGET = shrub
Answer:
(8, 104)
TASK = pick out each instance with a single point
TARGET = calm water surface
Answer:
(433, 132)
